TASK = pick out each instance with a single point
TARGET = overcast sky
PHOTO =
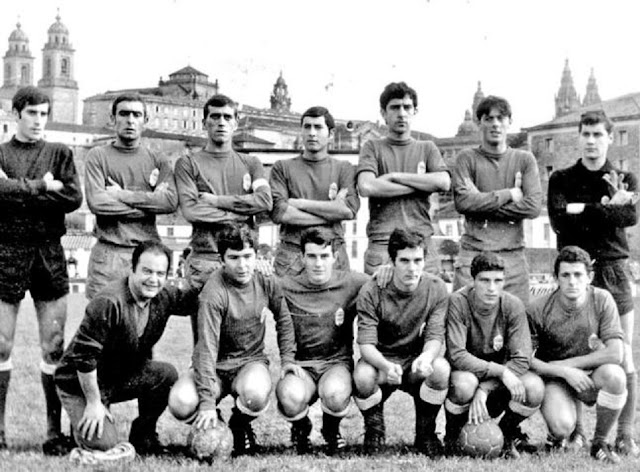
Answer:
(341, 53)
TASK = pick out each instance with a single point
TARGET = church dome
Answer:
(58, 27)
(18, 34)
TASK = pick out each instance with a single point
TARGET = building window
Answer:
(5, 128)
(623, 138)
(622, 164)
(157, 109)
(546, 232)
(64, 67)
(549, 170)
(170, 231)
(448, 230)
(194, 113)
(7, 71)
(47, 67)
(355, 227)
(548, 144)
(354, 249)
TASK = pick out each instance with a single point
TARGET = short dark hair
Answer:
(320, 236)
(403, 238)
(128, 97)
(29, 96)
(219, 100)
(317, 112)
(491, 102)
(572, 255)
(595, 117)
(236, 236)
(397, 90)
(155, 247)
(486, 262)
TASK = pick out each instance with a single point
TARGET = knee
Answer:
(53, 347)
(560, 425)
(365, 379)
(183, 397)
(439, 378)
(612, 378)
(534, 389)
(291, 396)
(335, 395)
(462, 387)
(254, 394)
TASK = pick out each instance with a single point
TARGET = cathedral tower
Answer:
(477, 98)
(58, 72)
(567, 99)
(592, 96)
(280, 100)
(18, 66)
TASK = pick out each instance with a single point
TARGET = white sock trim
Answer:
(433, 396)
(6, 365)
(456, 408)
(611, 400)
(48, 369)
(248, 411)
(366, 403)
(521, 409)
(337, 414)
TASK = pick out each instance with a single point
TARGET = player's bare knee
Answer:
(611, 378)
(254, 396)
(462, 387)
(534, 389)
(336, 397)
(183, 397)
(365, 379)
(439, 379)
(291, 396)
(560, 425)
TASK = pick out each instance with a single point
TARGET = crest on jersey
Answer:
(246, 182)
(594, 342)
(422, 168)
(333, 191)
(153, 178)
(339, 317)
(498, 342)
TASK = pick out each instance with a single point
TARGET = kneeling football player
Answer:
(579, 351)
(322, 303)
(229, 356)
(109, 358)
(489, 348)
(400, 335)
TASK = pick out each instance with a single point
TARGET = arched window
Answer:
(7, 71)
(64, 67)
(47, 67)
(24, 75)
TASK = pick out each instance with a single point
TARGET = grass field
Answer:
(26, 424)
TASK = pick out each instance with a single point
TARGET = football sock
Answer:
(53, 405)
(628, 412)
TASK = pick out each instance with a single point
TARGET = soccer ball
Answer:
(108, 440)
(481, 440)
(212, 443)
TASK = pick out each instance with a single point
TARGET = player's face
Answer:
(407, 268)
(573, 280)
(318, 262)
(594, 142)
(398, 116)
(220, 123)
(150, 275)
(315, 134)
(239, 265)
(488, 286)
(31, 122)
(494, 127)
(129, 121)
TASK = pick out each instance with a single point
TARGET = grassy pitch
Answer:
(26, 423)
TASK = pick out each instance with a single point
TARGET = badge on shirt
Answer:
(246, 182)
(263, 315)
(498, 342)
(333, 191)
(595, 343)
(422, 168)
(153, 178)
(339, 317)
